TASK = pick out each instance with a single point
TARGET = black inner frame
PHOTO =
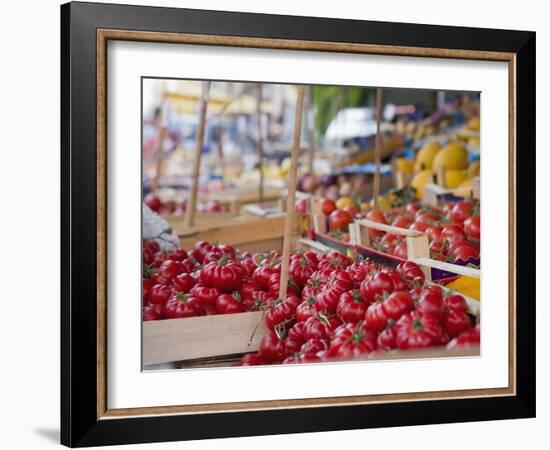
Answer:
(79, 424)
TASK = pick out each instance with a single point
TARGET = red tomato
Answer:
(178, 255)
(262, 275)
(352, 341)
(464, 252)
(427, 218)
(455, 321)
(472, 227)
(182, 305)
(456, 301)
(200, 249)
(248, 289)
(252, 359)
(376, 216)
(317, 327)
(168, 270)
(230, 303)
(401, 222)
(431, 303)
(183, 282)
(375, 317)
(275, 285)
(351, 210)
(334, 260)
(386, 338)
(159, 294)
(152, 312)
(327, 300)
(273, 347)
(301, 270)
(416, 330)
(359, 271)
(375, 286)
(327, 206)
(306, 309)
(453, 233)
(467, 339)
(295, 337)
(281, 311)
(397, 304)
(338, 220)
(206, 295)
(351, 306)
(151, 246)
(147, 257)
(400, 250)
(434, 232)
(224, 274)
(461, 211)
(260, 301)
(146, 285)
(389, 238)
(411, 272)
(315, 345)
(419, 226)
(413, 208)
(153, 202)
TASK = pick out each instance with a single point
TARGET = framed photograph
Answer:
(272, 224)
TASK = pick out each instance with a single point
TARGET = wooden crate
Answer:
(247, 233)
(193, 338)
(418, 250)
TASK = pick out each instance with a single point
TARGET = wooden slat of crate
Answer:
(201, 337)
(241, 232)
(201, 219)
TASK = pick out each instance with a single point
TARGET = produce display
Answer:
(453, 230)
(308, 224)
(334, 308)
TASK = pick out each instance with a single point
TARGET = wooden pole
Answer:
(311, 130)
(260, 142)
(291, 199)
(192, 203)
(377, 149)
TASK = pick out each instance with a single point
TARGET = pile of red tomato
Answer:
(453, 230)
(334, 308)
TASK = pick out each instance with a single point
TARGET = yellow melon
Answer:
(420, 180)
(426, 155)
(454, 178)
(473, 124)
(451, 157)
(404, 165)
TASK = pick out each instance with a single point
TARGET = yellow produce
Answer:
(344, 202)
(468, 286)
(451, 157)
(420, 180)
(473, 169)
(465, 189)
(383, 203)
(454, 178)
(404, 165)
(474, 142)
(426, 155)
(473, 124)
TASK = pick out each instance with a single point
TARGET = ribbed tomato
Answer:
(182, 305)
(351, 306)
(225, 274)
(417, 330)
